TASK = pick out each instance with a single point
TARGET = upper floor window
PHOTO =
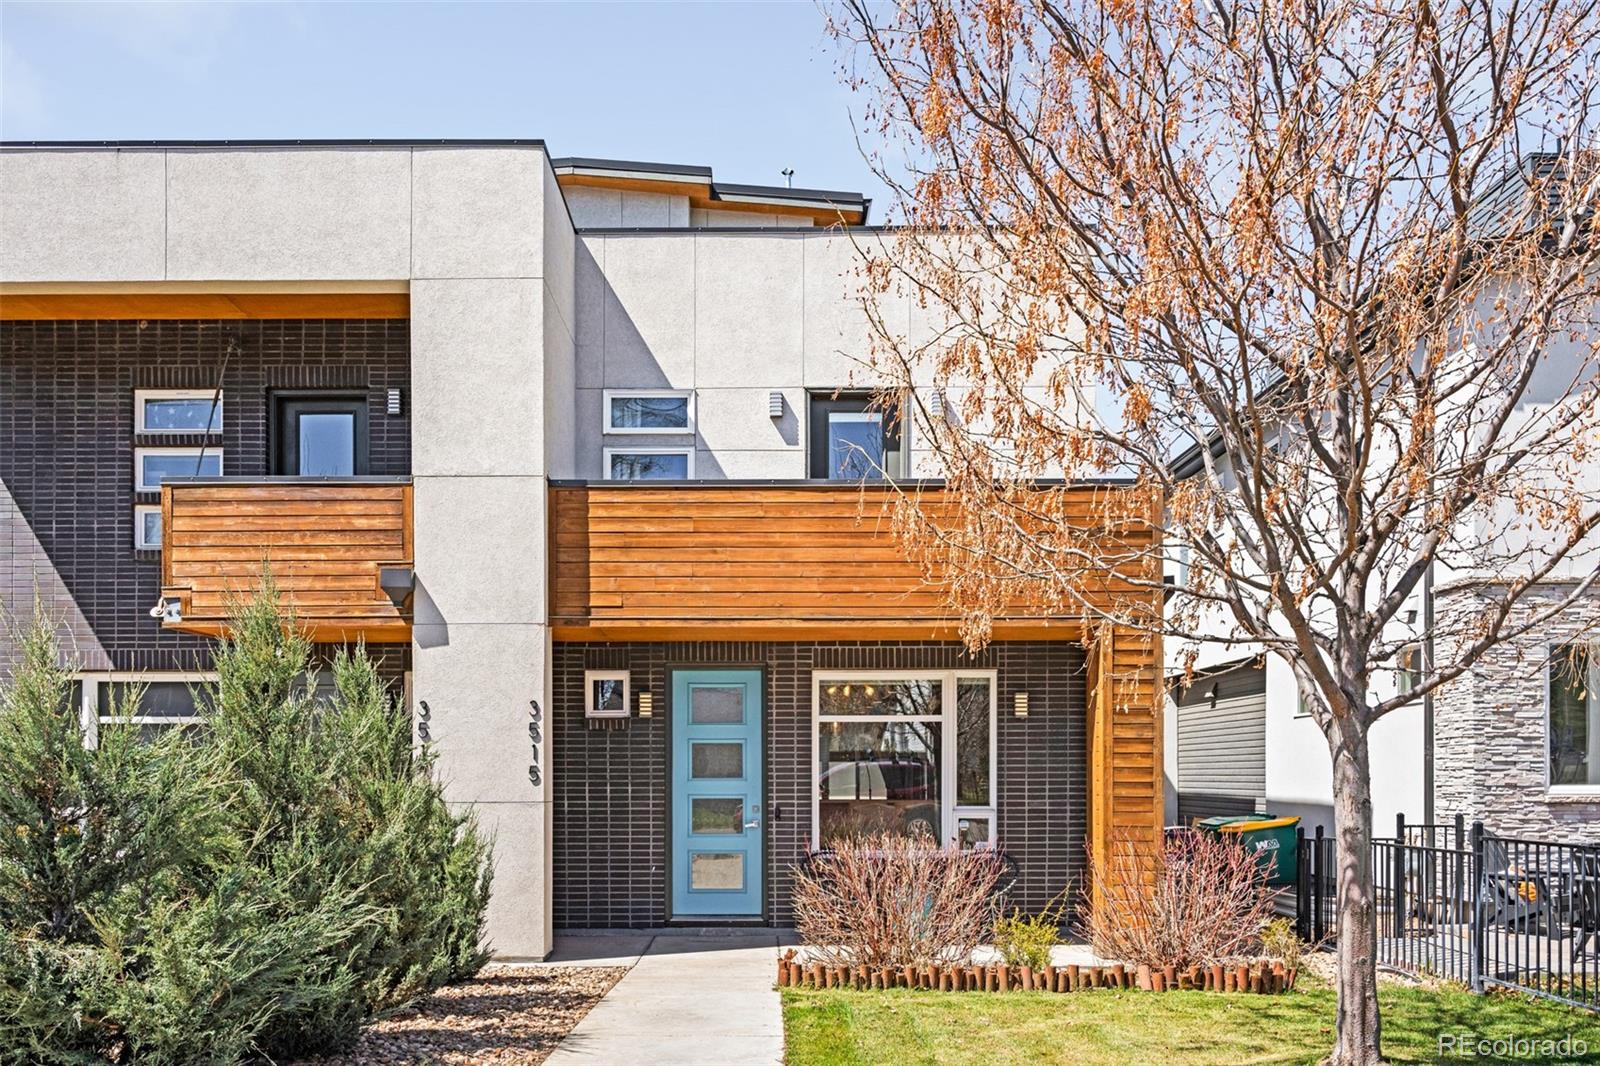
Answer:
(320, 434)
(1575, 716)
(638, 411)
(855, 436)
(649, 464)
(151, 466)
(177, 411)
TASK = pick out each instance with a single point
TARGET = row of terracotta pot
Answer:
(1261, 977)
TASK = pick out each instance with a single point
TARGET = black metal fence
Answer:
(1461, 903)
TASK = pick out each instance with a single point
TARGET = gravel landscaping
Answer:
(506, 1016)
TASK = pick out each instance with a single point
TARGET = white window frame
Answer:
(1554, 649)
(949, 811)
(190, 450)
(90, 718)
(607, 426)
(607, 453)
(591, 676)
(139, 511)
(141, 395)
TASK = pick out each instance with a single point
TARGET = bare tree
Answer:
(1323, 275)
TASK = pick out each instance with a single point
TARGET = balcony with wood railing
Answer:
(339, 551)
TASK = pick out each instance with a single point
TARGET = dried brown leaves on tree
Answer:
(1320, 277)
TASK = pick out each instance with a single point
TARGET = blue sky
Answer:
(745, 88)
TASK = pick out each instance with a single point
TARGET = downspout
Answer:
(1427, 697)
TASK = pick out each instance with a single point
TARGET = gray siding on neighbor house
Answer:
(1222, 744)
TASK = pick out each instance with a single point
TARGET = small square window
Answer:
(177, 411)
(638, 411)
(649, 464)
(606, 693)
(855, 436)
(147, 527)
(151, 466)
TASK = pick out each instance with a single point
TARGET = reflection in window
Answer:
(972, 742)
(882, 697)
(1575, 716)
(648, 466)
(878, 777)
(660, 413)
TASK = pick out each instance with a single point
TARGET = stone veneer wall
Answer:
(611, 787)
(1491, 747)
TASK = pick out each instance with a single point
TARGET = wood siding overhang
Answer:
(325, 541)
(804, 561)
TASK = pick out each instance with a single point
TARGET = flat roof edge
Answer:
(369, 142)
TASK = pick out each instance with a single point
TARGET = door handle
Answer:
(753, 825)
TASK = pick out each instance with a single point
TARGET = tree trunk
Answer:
(1356, 1039)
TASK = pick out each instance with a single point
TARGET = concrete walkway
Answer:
(689, 1000)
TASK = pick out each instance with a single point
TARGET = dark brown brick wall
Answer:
(67, 440)
(611, 786)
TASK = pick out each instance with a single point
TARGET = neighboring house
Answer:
(572, 444)
(1515, 742)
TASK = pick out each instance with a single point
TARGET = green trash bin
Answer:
(1214, 825)
(1271, 840)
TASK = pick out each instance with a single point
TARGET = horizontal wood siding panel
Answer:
(759, 553)
(324, 544)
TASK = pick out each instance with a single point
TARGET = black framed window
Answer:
(855, 436)
(320, 434)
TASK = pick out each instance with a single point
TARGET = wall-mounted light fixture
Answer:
(775, 405)
(392, 404)
(647, 704)
(936, 403)
(1019, 704)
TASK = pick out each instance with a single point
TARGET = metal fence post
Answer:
(1302, 896)
(1398, 917)
(1319, 929)
(1475, 920)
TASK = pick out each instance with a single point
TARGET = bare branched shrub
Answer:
(887, 899)
(1207, 901)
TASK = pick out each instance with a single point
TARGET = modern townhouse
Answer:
(585, 452)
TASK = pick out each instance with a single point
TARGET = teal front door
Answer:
(717, 813)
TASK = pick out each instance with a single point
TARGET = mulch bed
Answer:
(506, 1016)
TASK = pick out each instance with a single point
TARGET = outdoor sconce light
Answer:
(775, 405)
(647, 704)
(1019, 704)
(392, 404)
(936, 403)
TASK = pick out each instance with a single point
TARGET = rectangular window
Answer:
(1575, 717)
(151, 466)
(905, 754)
(177, 411)
(320, 434)
(147, 527)
(855, 436)
(649, 464)
(151, 702)
(638, 411)
(1408, 669)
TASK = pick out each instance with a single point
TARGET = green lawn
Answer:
(838, 1028)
